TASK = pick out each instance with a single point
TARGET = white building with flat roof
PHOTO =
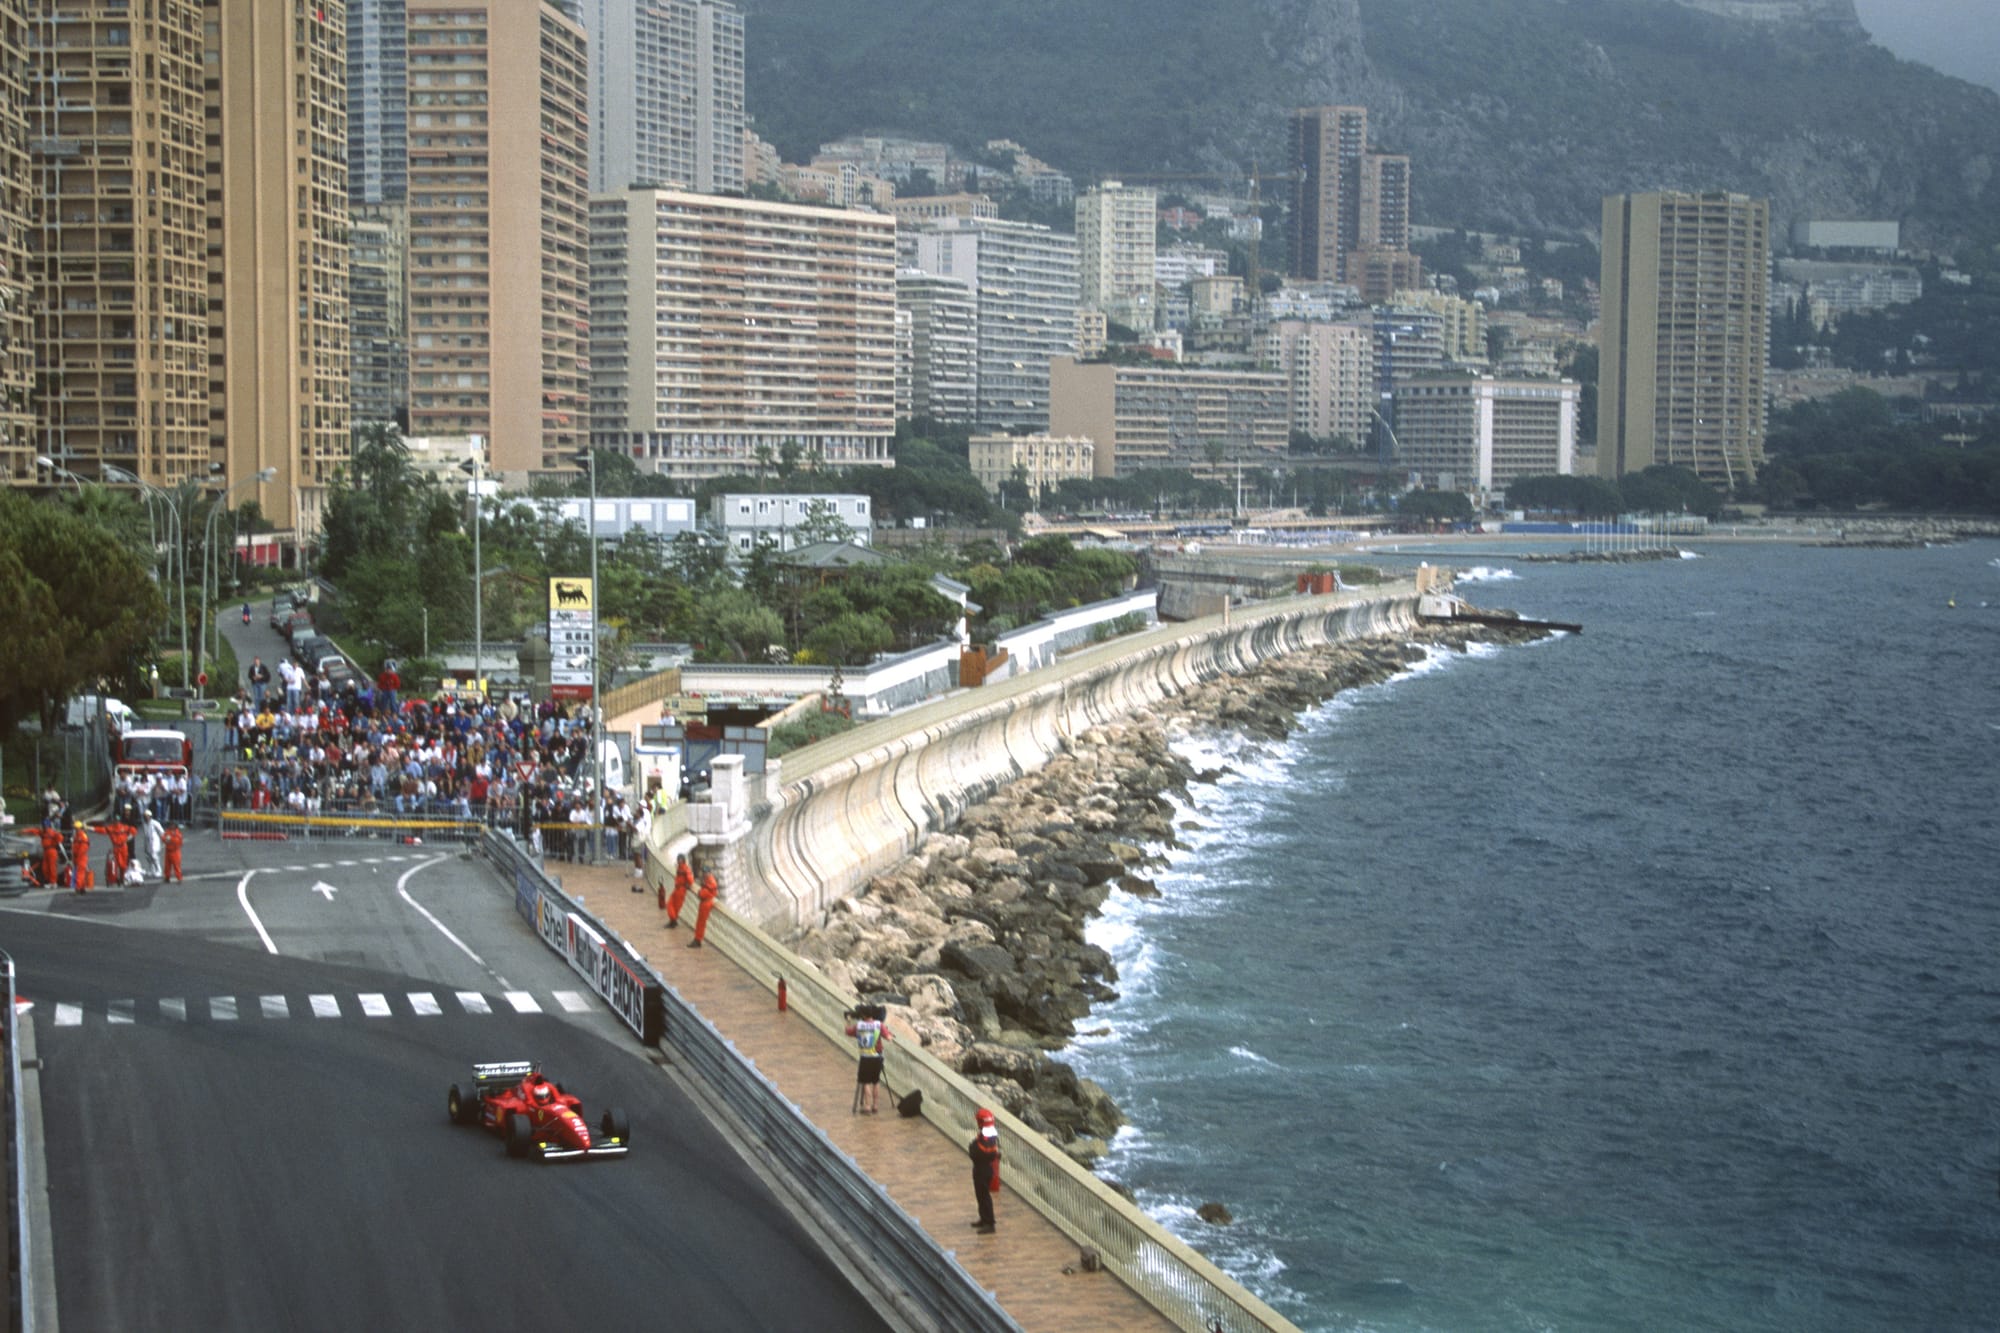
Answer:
(1473, 432)
(742, 518)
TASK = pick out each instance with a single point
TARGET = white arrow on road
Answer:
(325, 890)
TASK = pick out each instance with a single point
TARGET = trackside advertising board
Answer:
(607, 966)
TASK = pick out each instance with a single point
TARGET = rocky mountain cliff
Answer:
(1519, 115)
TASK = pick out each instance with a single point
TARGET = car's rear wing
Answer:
(502, 1073)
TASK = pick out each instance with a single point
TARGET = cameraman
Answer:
(870, 1037)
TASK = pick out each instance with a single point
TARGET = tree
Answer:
(1435, 506)
(735, 627)
(850, 639)
(822, 523)
(79, 606)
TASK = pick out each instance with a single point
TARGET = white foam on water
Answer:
(1485, 574)
(1690, 555)
(1245, 1053)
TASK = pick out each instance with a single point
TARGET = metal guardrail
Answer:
(1169, 1275)
(21, 1315)
(903, 1252)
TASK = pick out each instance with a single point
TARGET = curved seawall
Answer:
(849, 808)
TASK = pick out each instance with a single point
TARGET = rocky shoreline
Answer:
(976, 942)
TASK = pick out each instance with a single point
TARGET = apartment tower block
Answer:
(499, 242)
(727, 331)
(666, 94)
(1685, 332)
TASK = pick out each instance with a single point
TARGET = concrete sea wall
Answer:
(849, 808)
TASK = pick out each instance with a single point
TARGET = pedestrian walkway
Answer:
(929, 1177)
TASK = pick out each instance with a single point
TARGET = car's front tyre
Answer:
(614, 1127)
(520, 1135)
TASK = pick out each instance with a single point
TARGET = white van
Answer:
(83, 712)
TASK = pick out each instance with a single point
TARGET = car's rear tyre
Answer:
(614, 1126)
(520, 1135)
(462, 1109)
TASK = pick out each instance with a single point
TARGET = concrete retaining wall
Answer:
(815, 837)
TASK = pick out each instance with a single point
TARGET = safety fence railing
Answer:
(1169, 1275)
(902, 1252)
(286, 825)
(20, 1309)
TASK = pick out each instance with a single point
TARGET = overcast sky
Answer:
(1960, 37)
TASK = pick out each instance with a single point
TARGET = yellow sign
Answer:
(570, 594)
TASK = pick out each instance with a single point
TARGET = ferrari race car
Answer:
(533, 1115)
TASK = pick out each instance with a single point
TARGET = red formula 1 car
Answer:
(533, 1115)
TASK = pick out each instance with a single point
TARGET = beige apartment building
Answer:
(1472, 432)
(121, 315)
(277, 252)
(1040, 461)
(727, 329)
(1464, 328)
(1169, 416)
(919, 208)
(1329, 374)
(20, 444)
(1684, 337)
(499, 327)
(1115, 229)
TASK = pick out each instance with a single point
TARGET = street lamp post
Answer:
(50, 463)
(589, 459)
(207, 540)
(475, 467)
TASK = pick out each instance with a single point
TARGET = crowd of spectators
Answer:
(365, 749)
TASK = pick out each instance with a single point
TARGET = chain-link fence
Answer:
(74, 760)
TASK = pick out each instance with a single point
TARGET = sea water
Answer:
(1647, 978)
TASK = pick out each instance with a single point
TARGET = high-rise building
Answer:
(1169, 415)
(1350, 205)
(944, 346)
(1116, 227)
(1328, 143)
(1024, 279)
(728, 332)
(277, 251)
(666, 94)
(1383, 206)
(378, 313)
(1329, 373)
(499, 240)
(19, 208)
(378, 102)
(121, 310)
(1475, 432)
(1686, 322)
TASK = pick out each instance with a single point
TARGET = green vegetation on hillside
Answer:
(1519, 115)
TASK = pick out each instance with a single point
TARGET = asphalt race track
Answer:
(238, 1138)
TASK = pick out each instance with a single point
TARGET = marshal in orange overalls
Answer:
(707, 898)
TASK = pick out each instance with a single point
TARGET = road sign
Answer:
(572, 636)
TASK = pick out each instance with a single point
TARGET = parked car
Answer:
(282, 607)
(300, 621)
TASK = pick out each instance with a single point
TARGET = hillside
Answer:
(1518, 116)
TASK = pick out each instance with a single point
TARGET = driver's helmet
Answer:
(543, 1094)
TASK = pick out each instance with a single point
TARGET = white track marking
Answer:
(243, 897)
(120, 1011)
(69, 1015)
(573, 1002)
(375, 1005)
(424, 1003)
(274, 1006)
(403, 892)
(174, 1010)
(473, 1002)
(346, 863)
(523, 1002)
(222, 1008)
(325, 1006)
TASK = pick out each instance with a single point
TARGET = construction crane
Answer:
(1256, 179)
